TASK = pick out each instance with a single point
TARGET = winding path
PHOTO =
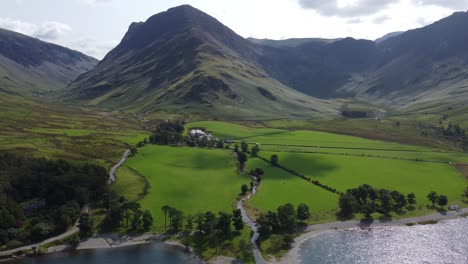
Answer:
(68, 233)
(116, 166)
(75, 228)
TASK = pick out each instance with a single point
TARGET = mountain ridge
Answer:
(186, 61)
(31, 66)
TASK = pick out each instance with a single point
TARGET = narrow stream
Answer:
(248, 221)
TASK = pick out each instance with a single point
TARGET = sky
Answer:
(94, 27)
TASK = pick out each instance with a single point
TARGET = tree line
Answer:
(280, 225)
(40, 197)
(367, 200)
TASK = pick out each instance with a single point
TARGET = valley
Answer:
(325, 132)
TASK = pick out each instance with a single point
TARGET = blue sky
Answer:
(96, 26)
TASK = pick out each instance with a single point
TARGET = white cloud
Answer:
(348, 8)
(93, 2)
(48, 31)
(92, 46)
(450, 4)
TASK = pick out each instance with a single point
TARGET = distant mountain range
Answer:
(186, 62)
(30, 66)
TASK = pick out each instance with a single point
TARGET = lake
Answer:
(143, 254)
(445, 242)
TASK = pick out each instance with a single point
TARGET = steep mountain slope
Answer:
(187, 62)
(388, 36)
(319, 69)
(30, 66)
(421, 66)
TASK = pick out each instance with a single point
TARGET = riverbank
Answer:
(313, 230)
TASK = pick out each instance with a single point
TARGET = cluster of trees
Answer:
(58, 188)
(440, 200)
(128, 214)
(207, 224)
(241, 154)
(368, 200)
(452, 132)
(278, 226)
(168, 133)
(206, 143)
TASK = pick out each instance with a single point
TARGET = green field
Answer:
(190, 179)
(279, 187)
(226, 130)
(345, 172)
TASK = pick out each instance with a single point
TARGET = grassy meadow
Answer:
(279, 187)
(192, 180)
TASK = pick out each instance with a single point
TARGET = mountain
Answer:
(427, 66)
(31, 66)
(387, 36)
(186, 62)
(293, 42)
(418, 66)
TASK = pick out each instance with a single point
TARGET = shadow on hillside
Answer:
(308, 165)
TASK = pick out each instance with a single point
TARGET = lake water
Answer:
(144, 254)
(445, 242)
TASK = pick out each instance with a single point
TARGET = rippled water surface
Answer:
(446, 242)
(145, 254)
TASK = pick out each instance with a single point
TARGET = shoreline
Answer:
(292, 256)
(109, 241)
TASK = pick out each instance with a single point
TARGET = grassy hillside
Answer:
(59, 131)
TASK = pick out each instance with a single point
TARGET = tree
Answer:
(465, 193)
(433, 197)
(400, 200)
(263, 225)
(244, 188)
(220, 144)
(136, 221)
(255, 150)
(223, 225)
(303, 213)
(287, 217)
(176, 218)
(86, 226)
(274, 160)
(189, 223)
(242, 158)
(127, 215)
(165, 210)
(442, 201)
(244, 147)
(411, 198)
(237, 220)
(259, 171)
(200, 221)
(347, 203)
(74, 242)
(236, 148)
(273, 221)
(147, 220)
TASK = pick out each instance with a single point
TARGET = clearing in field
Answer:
(192, 180)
